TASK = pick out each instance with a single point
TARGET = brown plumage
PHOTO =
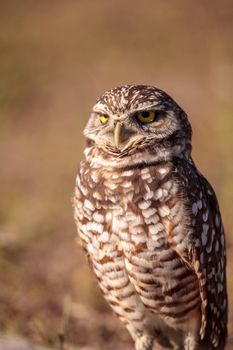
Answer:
(150, 222)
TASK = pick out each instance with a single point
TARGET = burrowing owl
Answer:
(150, 222)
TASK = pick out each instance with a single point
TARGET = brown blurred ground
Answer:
(56, 57)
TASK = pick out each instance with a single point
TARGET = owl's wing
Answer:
(206, 252)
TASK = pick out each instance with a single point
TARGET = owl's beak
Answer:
(117, 134)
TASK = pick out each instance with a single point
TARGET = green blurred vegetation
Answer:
(56, 57)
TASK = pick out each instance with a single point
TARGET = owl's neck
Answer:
(97, 157)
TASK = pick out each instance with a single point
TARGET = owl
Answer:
(150, 223)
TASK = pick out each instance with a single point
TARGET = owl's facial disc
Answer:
(124, 131)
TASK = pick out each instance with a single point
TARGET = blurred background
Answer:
(56, 58)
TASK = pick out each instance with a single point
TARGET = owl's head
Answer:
(135, 119)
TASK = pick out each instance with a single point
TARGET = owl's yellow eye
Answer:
(146, 116)
(103, 118)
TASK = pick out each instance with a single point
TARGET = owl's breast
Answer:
(147, 209)
(142, 207)
(136, 218)
(150, 223)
